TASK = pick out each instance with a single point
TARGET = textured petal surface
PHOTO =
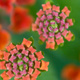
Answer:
(52, 25)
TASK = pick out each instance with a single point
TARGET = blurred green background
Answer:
(67, 54)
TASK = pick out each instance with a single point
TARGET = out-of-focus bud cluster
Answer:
(21, 20)
(4, 38)
(71, 72)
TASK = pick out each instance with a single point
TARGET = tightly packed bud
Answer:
(52, 25)
(22, 62)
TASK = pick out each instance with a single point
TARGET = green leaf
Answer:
(73, 20)
(40, 42)
(31, 39)
(61, 44)
(69, 7)
(73, 38)
(49, 1)
(1, 78)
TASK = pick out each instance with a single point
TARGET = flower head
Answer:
(20, 20)
(4, 38)
(22, 62)
(52, 25)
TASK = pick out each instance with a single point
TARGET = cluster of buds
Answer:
(71, 72)
(21, 20)
(52, 25)
(5, 38)
(7, 5)
(22, 62)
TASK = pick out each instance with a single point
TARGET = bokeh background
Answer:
(69, 53)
